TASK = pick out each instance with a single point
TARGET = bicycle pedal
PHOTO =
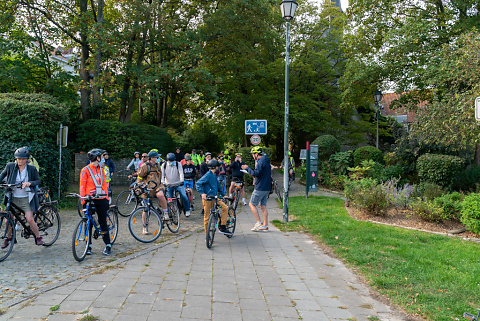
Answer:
(95, 235)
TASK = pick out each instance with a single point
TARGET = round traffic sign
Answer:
(255, 140)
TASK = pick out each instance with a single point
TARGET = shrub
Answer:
(390, 172)
(467, 180)
(367, 153)
(327, 146)
(428, 211)
(121, 139)
(366, 169)
(31, 117)
(339, 162)
(400, 196)
(439, 169)
(470, 212)
(429, 191)
(450, 204)
(367, 195)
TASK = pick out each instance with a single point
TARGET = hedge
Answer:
(122, 139)
(439, 169)
(470, 212)
(367, 153)
(327, 146)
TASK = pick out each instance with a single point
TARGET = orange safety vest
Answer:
(89, 184)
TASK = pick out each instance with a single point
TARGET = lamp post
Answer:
(288, 8)
(378, 98)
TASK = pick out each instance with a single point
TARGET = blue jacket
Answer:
(110, 165)
(208, 184)
(262, 174)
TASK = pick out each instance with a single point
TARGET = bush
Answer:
(439, 169)
(428, 211)
(429, 191)
(467, 180)
(450, 204)
(367, 153)
(384, 174)
(339, 162)
(327, 146)
(202, 135)
(31, 117)
(121, 139)
(367, 195)
(400, 196)
(470, 212)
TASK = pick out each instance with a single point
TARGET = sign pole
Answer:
(60, 159)
(307, 173)
(285, 155)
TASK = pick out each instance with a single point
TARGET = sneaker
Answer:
(145, 231)
(187, 213)
(223, 229)
(107, 250)
(89, 250)
(244, 203)
(6, 243)
(38, 240)
(192, 208)
(263, 228)
(166, 217)
(256, 226)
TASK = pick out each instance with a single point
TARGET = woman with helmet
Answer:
(135, 162)
(93, 182)
(208, 186)
(23, 197)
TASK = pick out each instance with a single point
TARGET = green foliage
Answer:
(365, 169)
(430, 191)
(203, 135)
(450, 204)
(339, 162)
(428, 211)
(439, 169)
(120, 139)
(367, 153)
(31, 117)
(385, 173)
(327, 146)
(468, 180)
(470, 212)
(368, 195)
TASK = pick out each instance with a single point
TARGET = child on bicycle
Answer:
(237, 176)
(208, 185)
(189, 175)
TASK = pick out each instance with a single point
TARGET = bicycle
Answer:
(127, 201)
(236, 193)
(472, 317)
(46, 217)
(145, 223)
(277, 190)
(189, 193)
(173, 207)
(213, 221)
(81, 234)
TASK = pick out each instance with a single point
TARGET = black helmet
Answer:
(152, 153)
(94, 153)
(212, 163)
(194, 150)
(170, 157)
(22, 152)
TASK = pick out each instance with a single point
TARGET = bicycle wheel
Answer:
(211, 228)
(126, 203)
(48, 222)
(80, 240)
(173, 223)
(181, 208)
(6, 223)
(231, 221)
(277, 191)
(112, 223)
(236, 198)
(80, 208)
(145, 230)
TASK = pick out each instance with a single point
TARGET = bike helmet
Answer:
(238, 154)
(212, 163)
(194, 150)
(208, 154)
(256, 150)
(136, 153)
(187, 158)
(154, 150)
(226, 152)
(94, 153)
(22, 152)
(170, 157)
(152, 153)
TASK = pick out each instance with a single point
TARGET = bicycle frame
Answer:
(16, 212)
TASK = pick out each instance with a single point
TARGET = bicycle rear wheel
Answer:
(145, 228)
(126, 203)
(211, 228)
(6, 223)
(277, 191)
(231, 221)
(174, 214)
(48, 222)
(112, 223)
(80, 240)
(236, 198)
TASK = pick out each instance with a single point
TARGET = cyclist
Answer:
(189, 174)
(109, 163)
(291, 166)
(204, 166)
(222, 175)
(178, 155)
(19, 172)
(172, 174)
(150, 171)
(93, 182)
(208, 186)
(135, 162)
(195, 157)
(226, 157)
(237, 176)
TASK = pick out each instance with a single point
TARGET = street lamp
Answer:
(288, 8)
(378, 98)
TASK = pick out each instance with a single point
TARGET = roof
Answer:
(386, 102)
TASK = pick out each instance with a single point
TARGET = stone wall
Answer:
(120, 176)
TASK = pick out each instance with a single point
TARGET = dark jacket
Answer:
(203, 169)
(111, 165)
(208, 184)
(9, 175)
(179, 156)
(262, 174)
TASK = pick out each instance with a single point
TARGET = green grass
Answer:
(55, 308)
(430, 275)
(89, 317)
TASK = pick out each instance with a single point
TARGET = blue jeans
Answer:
(222, 181)
(183, 196)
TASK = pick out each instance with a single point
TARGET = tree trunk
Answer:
(164, 112)
(84, 75)
(97, 73)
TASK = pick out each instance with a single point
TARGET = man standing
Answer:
(204, 166)
(109, 163)
(179, 155)
(263, 185)
(172, 174)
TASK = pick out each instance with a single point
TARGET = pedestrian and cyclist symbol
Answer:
(256, 127)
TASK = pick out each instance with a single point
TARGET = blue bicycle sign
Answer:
(256, 127)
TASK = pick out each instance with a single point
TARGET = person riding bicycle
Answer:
(93, 182)
(189, 174)
(222, 174)
(204, 165)
(237, 176)
(172, 174)
(150, 171)
(195, 158)
(24, 197)
(208, 186)
(291, 166)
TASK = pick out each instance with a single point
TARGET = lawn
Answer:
(434, 276)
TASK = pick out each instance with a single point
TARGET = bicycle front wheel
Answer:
(80, 240)
(173, 223)
(6, 224)
(126, 203)
(211, 228)
(145, 226)
(231, 221)
(112, 223)
(48, 222)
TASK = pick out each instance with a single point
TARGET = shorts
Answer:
(259, 197)
(22, 203)
(188, 184)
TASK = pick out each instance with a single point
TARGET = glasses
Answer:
(144, 156)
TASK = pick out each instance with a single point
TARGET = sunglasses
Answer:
(144, 156)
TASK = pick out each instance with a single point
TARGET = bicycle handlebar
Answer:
(86, 197)
(173, 185)
(3, 185)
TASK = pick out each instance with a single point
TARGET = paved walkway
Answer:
(253, 276)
